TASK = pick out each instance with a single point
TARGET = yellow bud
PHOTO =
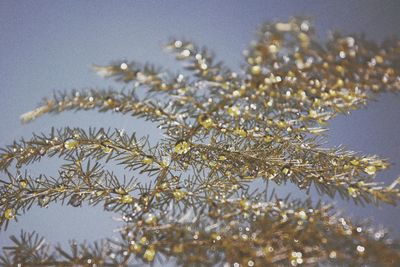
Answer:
(205, 122)
(313, 114)
(241, 132)
(371, 170)
(255, 70)
(234, 111)
(177, 248)
(9, 214)
(23, 183)
(126, 199)
(143, 240)
(60, 189)
(302, 215)
(147, 160)
(281, 124)
(379, 59)
(120, 191)
(106, 147)
(149, 254)
(221, 158)
(268, 138)
(245, 204)
(109, 102)
(136, 248)
(182, 147)
(71, 144)
(355, 162)
(352, 191)
(286, 171)
(150, 219)
(179, 195)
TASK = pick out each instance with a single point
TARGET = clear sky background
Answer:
(50, 45)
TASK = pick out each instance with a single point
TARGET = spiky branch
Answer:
(224, 131)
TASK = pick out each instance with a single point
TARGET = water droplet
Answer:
(360, 249)
(43, 201)
(75, 200)
(124, 66)
(150, 218)
(42, 151)
(332, 254)
(185, 53)
(108, 206)
(178, 44)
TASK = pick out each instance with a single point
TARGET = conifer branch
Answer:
(65, 142)
(102, 100)
(289, 69)
(224, 132)
(201, 62)
(240, 230)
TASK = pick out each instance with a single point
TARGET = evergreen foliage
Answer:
(223, 132)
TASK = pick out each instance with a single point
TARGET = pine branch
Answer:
(331, 171)
(74, 185)
(102, 100)
(201, 62)
(97, 144)
(291, 71)
(156, 79)
(240, 230)
(224, 132)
